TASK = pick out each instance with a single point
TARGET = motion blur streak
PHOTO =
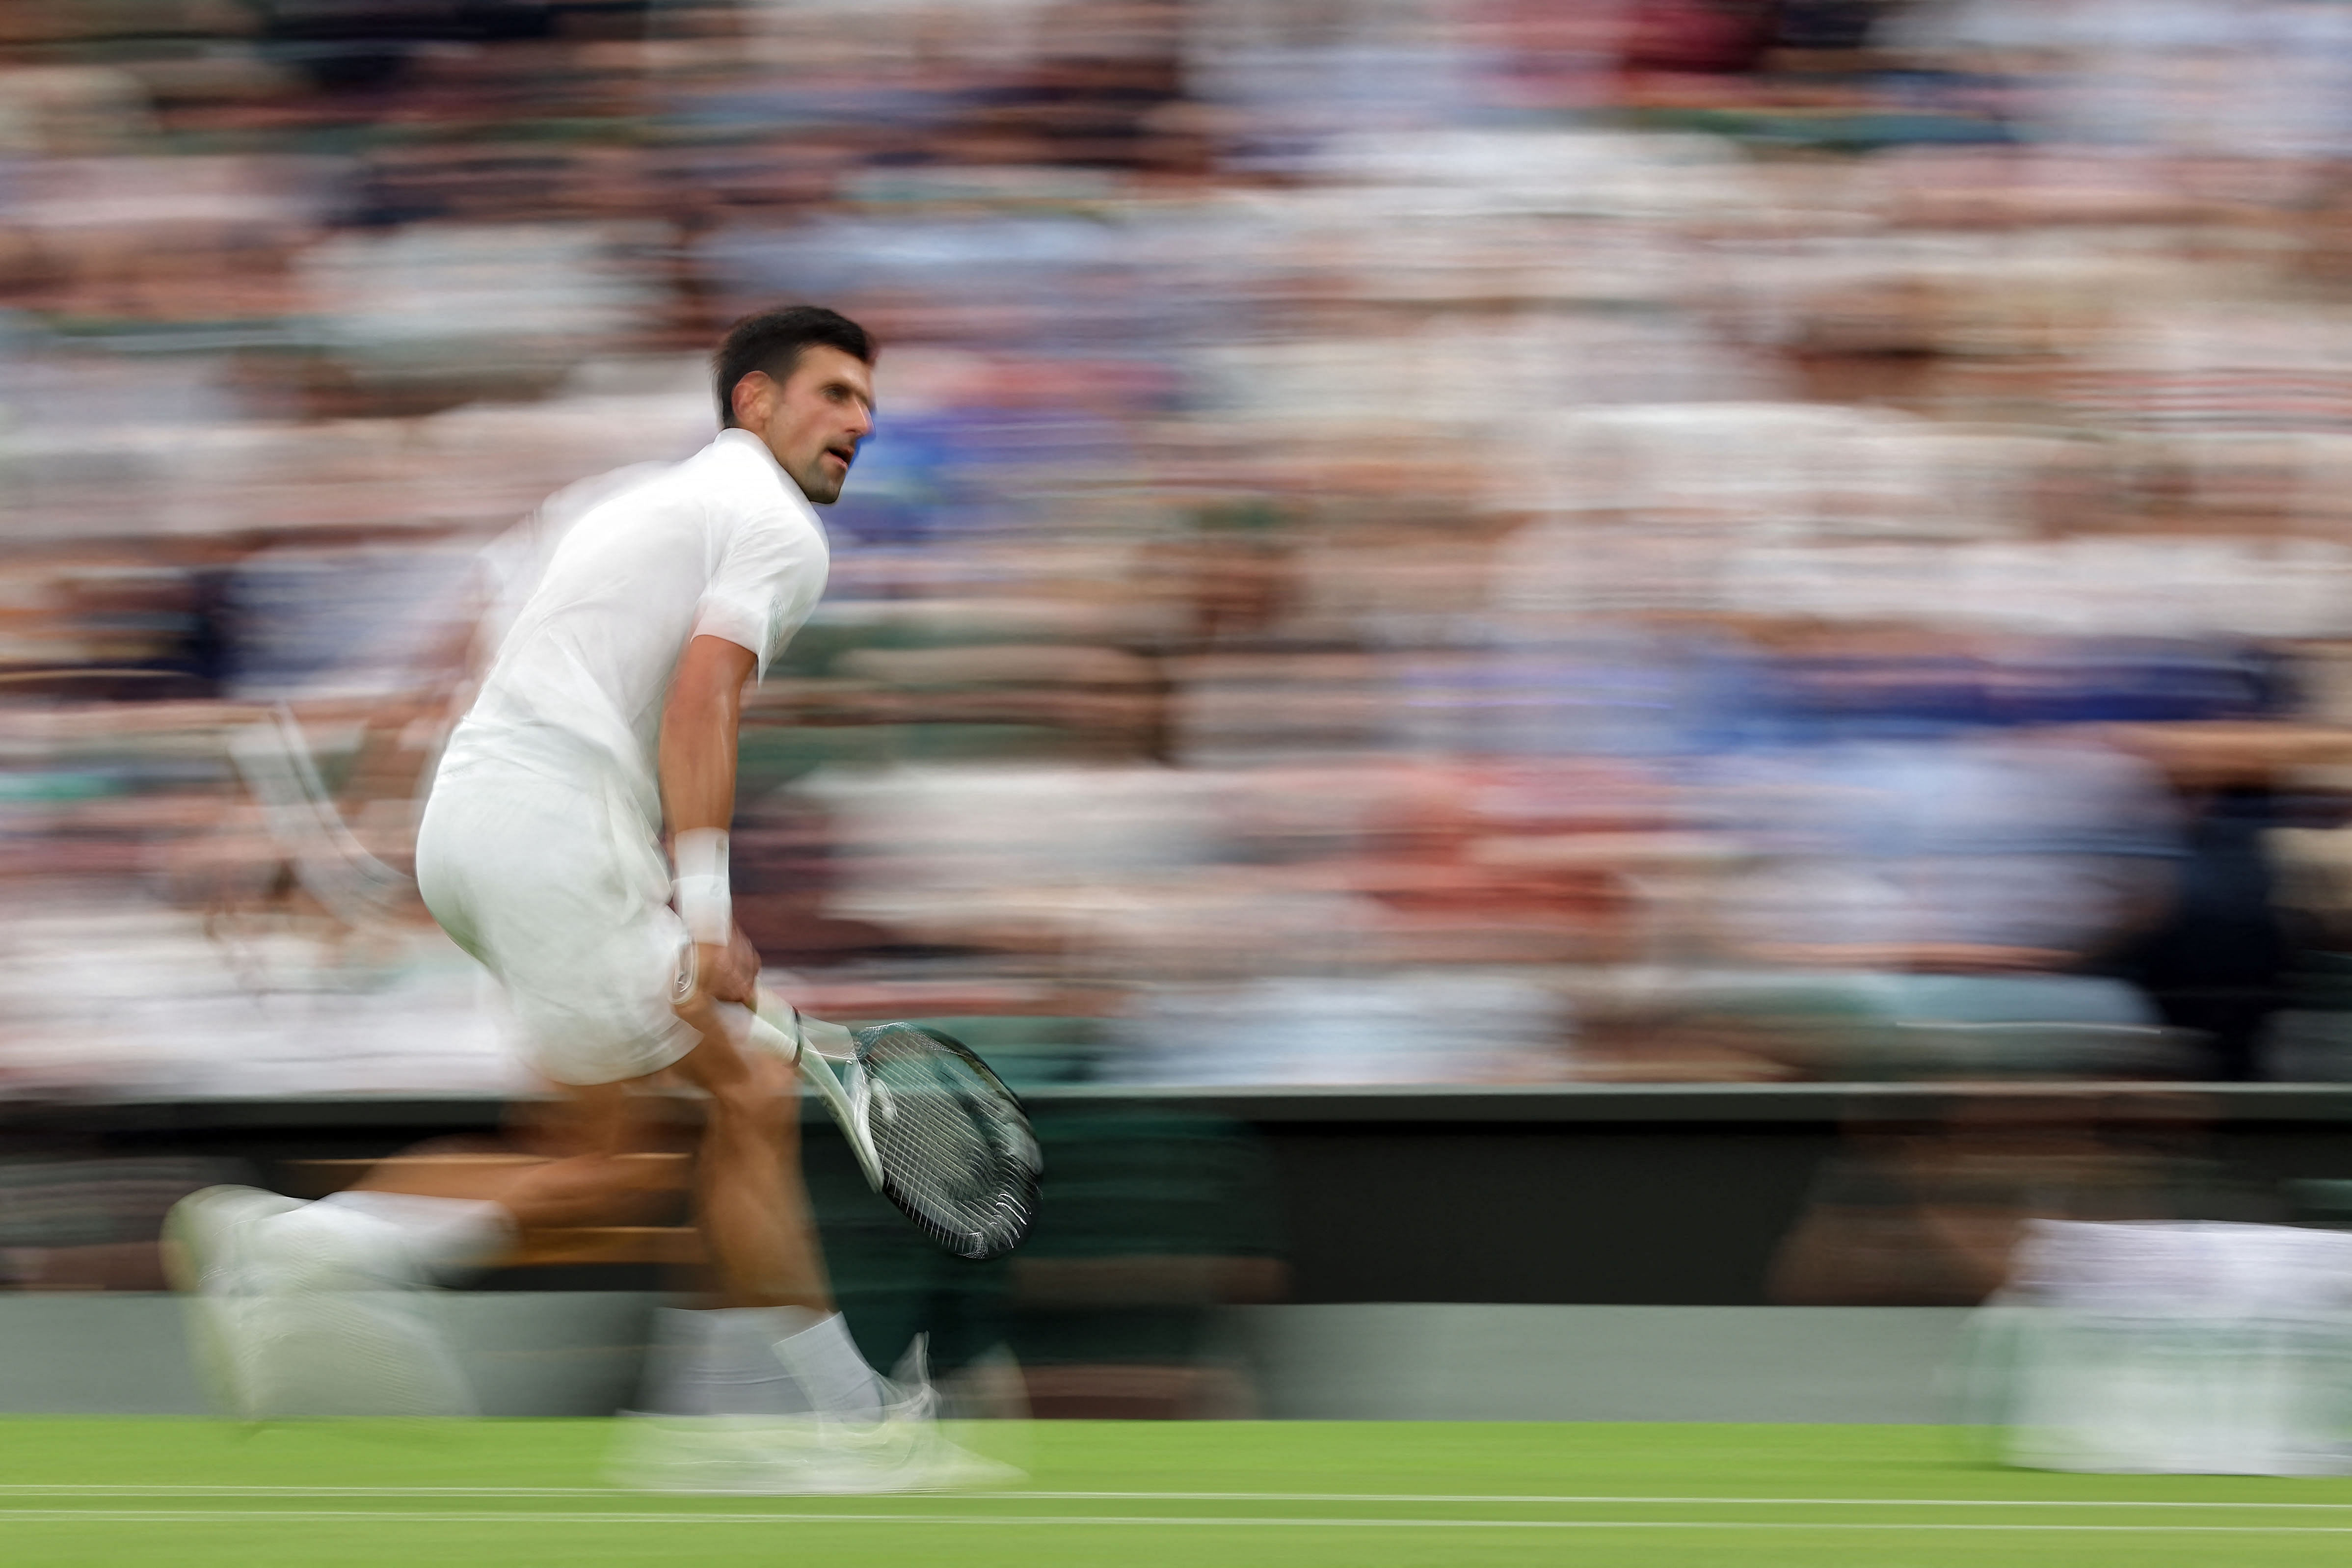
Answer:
(1409, 542)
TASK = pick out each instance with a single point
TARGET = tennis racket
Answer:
(934, 1130)
(274, 759)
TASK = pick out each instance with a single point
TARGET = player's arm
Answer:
(698, 791)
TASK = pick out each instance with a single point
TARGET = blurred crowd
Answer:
(1409, 540)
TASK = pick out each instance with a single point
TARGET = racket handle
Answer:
(804, 1047)
(763, 1034)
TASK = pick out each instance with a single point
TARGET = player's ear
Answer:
(753, 399)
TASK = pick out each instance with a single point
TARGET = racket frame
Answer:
(273, 757)
(839, 1079)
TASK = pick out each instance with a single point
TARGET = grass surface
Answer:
(518, 1494)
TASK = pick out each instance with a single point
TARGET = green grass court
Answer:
(522, 1493)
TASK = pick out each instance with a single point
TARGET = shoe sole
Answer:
(688, 1461)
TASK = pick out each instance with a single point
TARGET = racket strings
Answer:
(955, 1154)
(944, 1165)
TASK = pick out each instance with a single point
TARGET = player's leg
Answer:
(323, 1308)
(441, 1217)
(526, 875)
(750, 1204)
(770, 1393)
(774, 1346)
(585, 1172)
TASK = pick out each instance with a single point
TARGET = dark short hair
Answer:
(771, 342)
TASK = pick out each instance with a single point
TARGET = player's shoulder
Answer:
(744, 487)
(729, 489)
(713, 480)
(622, 494)
(557, 514)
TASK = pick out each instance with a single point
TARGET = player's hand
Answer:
(729, 974)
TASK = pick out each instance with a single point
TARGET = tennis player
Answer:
(607, 719)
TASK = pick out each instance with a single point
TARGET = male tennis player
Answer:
(607, 716)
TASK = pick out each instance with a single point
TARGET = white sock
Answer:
(719, 1362)
(444, 1235)
(760, 1361)
(824, 1361)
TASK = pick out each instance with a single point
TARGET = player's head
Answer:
(801, 378)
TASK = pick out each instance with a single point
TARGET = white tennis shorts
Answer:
(559, 890)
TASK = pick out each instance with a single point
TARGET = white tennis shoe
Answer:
(210, 1257)
(809, 1454)
(301, 1308)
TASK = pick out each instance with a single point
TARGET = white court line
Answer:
(199, 1516)
(122, 1490)
(1654, 1499)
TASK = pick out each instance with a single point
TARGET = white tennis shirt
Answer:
(721, 545)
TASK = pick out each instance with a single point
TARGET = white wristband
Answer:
(700, 888)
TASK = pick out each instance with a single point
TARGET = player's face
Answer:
(814, 419)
